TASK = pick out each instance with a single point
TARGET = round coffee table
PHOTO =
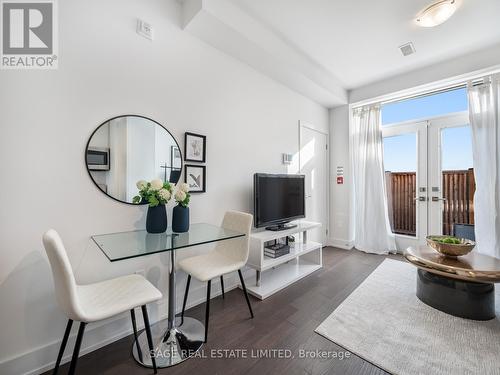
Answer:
(460, 286)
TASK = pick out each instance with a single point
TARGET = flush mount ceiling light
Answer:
(436, 13)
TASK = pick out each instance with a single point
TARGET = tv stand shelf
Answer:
(275, 274)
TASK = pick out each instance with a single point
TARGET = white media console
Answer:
(273, 275)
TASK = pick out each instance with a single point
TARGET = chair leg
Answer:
(222, 285)
(246, 293)
(76, 350)
(63, 346)
(150, 338)
(134, 327)
(185, 297)
(207, 311)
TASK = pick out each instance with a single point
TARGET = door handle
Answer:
(437, 199)
(420, 199)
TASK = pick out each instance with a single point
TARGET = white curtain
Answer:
(372, 231)
(484, 102)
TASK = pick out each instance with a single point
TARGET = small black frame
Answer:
(204, 138)
(204, 173)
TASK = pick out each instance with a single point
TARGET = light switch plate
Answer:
(287, 159)
(145, 29)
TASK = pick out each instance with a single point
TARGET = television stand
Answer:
(280, 227)
(274, 274)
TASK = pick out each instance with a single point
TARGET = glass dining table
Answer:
(175, 339)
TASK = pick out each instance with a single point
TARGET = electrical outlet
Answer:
(145, 29)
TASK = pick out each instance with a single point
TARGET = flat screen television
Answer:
(278, 199)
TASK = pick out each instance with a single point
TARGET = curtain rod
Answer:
(424, 94)
(477, 78)
(476, 82)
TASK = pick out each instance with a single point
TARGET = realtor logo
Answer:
(29, 34)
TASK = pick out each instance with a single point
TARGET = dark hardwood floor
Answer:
(285, 320)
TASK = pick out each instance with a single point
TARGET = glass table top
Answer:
(125, 245)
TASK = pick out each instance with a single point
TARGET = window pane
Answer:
(400, 163)
(456, 148)
(425, 107)
(400, 153)
(458, 183)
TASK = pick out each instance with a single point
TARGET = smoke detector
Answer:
(407, 49)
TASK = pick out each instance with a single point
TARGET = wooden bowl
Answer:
(464, 247)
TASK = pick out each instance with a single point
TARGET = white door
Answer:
(405, 161)
(313, 163)
(429, 177)
(451, 174)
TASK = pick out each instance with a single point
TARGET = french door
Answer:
(429, 177)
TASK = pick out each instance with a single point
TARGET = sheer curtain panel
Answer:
(484, 102)
(372, 231)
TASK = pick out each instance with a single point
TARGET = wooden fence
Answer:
(458, 189)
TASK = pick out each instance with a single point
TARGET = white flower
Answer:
(180, 196)
(184, 187)
(156, 184)
(164, 194)
(141, 184)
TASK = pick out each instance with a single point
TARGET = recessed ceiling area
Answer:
(357, 40)
(324, 48)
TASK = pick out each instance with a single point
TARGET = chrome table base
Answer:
(171, 346)
(174, 339)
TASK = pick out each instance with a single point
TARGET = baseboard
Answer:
(341, 243)
(98, 335)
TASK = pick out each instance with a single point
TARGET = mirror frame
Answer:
(114, 118)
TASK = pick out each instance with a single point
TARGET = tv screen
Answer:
(278, 199)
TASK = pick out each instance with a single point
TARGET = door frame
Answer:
(436, 125)
(428, 161)
(420, 129)
(306, 125)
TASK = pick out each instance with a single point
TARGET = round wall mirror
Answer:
(127, 149)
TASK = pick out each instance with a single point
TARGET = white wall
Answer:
(163, 155)
(340, 216)
(46, 117)
(481, 59)
(141, 153)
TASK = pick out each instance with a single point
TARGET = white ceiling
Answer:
(357, 40)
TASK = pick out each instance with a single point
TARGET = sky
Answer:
(400, 152)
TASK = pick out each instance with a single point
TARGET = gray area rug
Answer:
(384, 322)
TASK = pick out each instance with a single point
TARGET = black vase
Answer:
(156, 219)
(180, 219)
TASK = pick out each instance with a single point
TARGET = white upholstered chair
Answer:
(227, 256)
(93, 302)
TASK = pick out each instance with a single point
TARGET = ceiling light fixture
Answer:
(436, 13)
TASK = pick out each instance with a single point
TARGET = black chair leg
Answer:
(63, 346)
(246, 293)
(134, 327)
(150, 338)
(207, 311)
(222, 285)
(76, 350)
(185, 297)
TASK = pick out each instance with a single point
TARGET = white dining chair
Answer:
(93, 302)
(227, 256)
